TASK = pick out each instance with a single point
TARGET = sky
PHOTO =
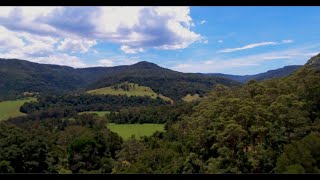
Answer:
(206, 39)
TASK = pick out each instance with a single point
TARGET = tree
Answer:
(301, 156)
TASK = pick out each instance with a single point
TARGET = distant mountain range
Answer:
(18, 76)
(277, 73)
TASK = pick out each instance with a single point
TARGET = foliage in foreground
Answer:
(267, 127)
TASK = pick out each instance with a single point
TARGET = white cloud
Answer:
(117, 61)
(37, 45)
(311, 54)
(203, 21)
(105, 62)
(287, 41)
(249, 46)
(25, 43)
(208, 62)
(28, 19)
(129, 50)
(38, 33)
(9, 40)
(183, 66)
(27, 13)
(35, 48)
(60, 59)
(133, 28)
(76, 45)
(220, 41)
(277, 57)
(5, 11)
(227, 65)
(254, 45)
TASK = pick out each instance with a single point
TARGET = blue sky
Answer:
(232, 40)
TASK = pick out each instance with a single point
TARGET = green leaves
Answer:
(21, 151)
(5, 167)
(300, 156)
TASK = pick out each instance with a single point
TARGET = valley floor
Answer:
(137, 130)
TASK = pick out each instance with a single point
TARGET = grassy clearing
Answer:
(129, 89)
(139, 130)
(99, 113)
(12, 108)
(189, 98)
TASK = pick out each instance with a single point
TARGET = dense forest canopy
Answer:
(267, 127)
(86, 102)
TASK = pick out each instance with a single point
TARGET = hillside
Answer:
(190, 98)
(271, 126)
(276, 73)
(172, 84)
(129, 89)
(314, 63)
(18, 76)
(10, 109)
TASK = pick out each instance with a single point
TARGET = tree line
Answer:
(87, 102)
(150, 114)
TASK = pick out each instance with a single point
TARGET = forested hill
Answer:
(167, 82)
(276, 73)
(314, 63)
(271, 126)
(18, 76)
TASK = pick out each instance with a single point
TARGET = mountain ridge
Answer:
(19, 76)
(314, 62)
(274, 73)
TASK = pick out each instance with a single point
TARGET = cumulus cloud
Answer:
(9, 40)
(27, 19)
(26, 43)
(37, 45)
(76, 45)
(35, 48)
(254, 45)
(133, 28)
